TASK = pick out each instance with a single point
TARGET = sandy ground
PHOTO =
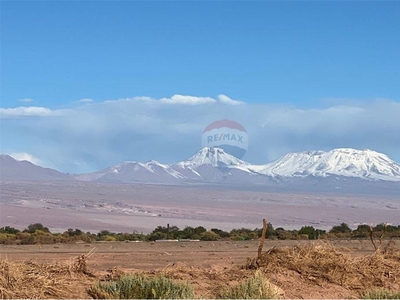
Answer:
(149, 256)
(203, 258)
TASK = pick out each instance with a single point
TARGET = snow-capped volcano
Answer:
(208, 164)
(216, 166)
(213, 165)
(365, 164)
(215, 157)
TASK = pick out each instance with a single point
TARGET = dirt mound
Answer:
(321, 264)
(34, 280)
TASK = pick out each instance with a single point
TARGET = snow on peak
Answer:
(213, 156)
(215, 165)
(349, 162)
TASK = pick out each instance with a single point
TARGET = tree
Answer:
(362, 231)
(9, 230)
(342, 228)
(199, 230)
(36, 226)
(170, 231)
(309, 231)
(221, 233)
(72, 232)
(270, 233)
(157, 235)
(103, 233)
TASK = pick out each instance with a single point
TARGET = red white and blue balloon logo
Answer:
(228, 135)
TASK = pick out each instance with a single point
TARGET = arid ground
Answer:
(127, 207)
(207, 265)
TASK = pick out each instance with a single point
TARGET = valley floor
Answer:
(127, 207)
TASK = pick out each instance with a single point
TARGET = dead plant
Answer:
(80, 264)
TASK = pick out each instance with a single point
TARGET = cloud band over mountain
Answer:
(91, 135)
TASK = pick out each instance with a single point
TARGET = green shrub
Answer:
(142, 287)
(109, 238)
(256, 287)
(209, 236)
(380, 294)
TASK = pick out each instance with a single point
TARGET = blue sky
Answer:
(283, 60)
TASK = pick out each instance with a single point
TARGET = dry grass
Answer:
(80, 263)
(302, 271)
(51, 280)
(321, 263)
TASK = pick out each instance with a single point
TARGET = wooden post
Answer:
(261, 245)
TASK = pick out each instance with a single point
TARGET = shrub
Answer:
(209, 236)
(256, 287)
(142, 287)
(303, 237)
(380, 294)
(42, 237)
(221, 233)
(25, 238)
(157, 236)
(109, 238)
(243, 234)
(6, 238)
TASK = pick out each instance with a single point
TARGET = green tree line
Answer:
(39, 234)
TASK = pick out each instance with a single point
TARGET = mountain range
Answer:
(11, 169)
(215, 166)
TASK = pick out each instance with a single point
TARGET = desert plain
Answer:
(92, 206)
(206, 265)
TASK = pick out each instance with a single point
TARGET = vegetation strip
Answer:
(39, 234)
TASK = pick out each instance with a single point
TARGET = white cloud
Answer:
(85, 100)
(132, 99)
(29, 111)
(187, 100)
(226, 100)
(24, 111)
(25, 100)
(26, 156)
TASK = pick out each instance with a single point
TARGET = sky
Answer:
(87, 84)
